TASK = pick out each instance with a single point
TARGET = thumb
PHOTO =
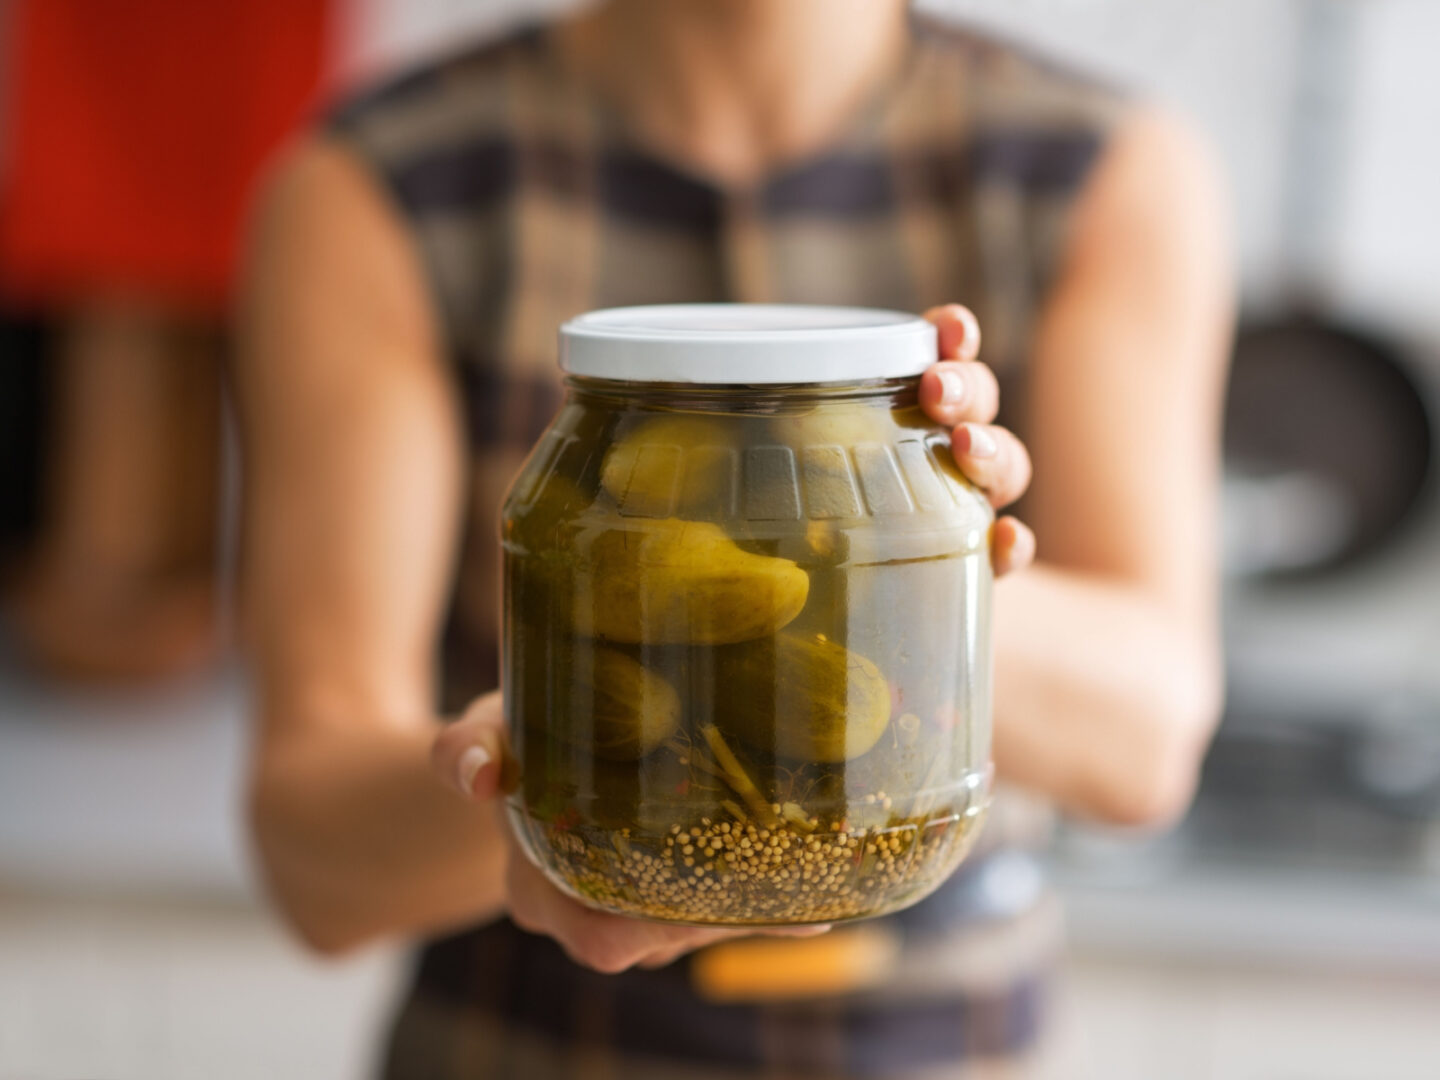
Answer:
(470, 754)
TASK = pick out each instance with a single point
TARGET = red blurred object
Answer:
(135, 132)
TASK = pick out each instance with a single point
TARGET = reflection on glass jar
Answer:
(747, 643)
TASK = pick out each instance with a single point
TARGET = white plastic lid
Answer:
(744, 344)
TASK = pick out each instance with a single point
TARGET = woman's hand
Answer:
(963, 394)
(470, 755)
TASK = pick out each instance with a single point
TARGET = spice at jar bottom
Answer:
(797, 870)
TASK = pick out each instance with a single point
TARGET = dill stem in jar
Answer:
(737, 776)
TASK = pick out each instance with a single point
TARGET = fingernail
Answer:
(970, 344)
(981, 442)
(952, 388)
(472, 761)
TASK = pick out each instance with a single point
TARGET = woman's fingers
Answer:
(959, 331)
(470, 753)
(953, 392)
(662, 959)
(605, 943)
(957, 388)
(964, 395)
(610, 943)
(1012, 546)
(994, 460)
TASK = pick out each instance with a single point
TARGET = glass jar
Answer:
(747, 620)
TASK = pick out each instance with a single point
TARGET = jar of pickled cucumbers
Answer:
(747, 620)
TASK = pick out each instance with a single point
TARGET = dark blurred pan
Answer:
(1313, 398)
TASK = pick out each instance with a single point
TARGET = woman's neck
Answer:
(731, 88)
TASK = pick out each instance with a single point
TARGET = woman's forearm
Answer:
(360, 839)
(1104, 699)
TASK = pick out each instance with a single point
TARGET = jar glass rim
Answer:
(732, 397)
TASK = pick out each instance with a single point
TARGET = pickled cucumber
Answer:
(801, 696)
(682, 582)
(668, 459)
(844, 425)
(825, 440)
(633, 710)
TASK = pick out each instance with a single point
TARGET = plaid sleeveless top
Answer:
(529, 204)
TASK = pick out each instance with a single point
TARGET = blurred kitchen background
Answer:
(1289, 929)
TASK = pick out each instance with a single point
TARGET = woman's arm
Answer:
(1108, 671)
(353, 467)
